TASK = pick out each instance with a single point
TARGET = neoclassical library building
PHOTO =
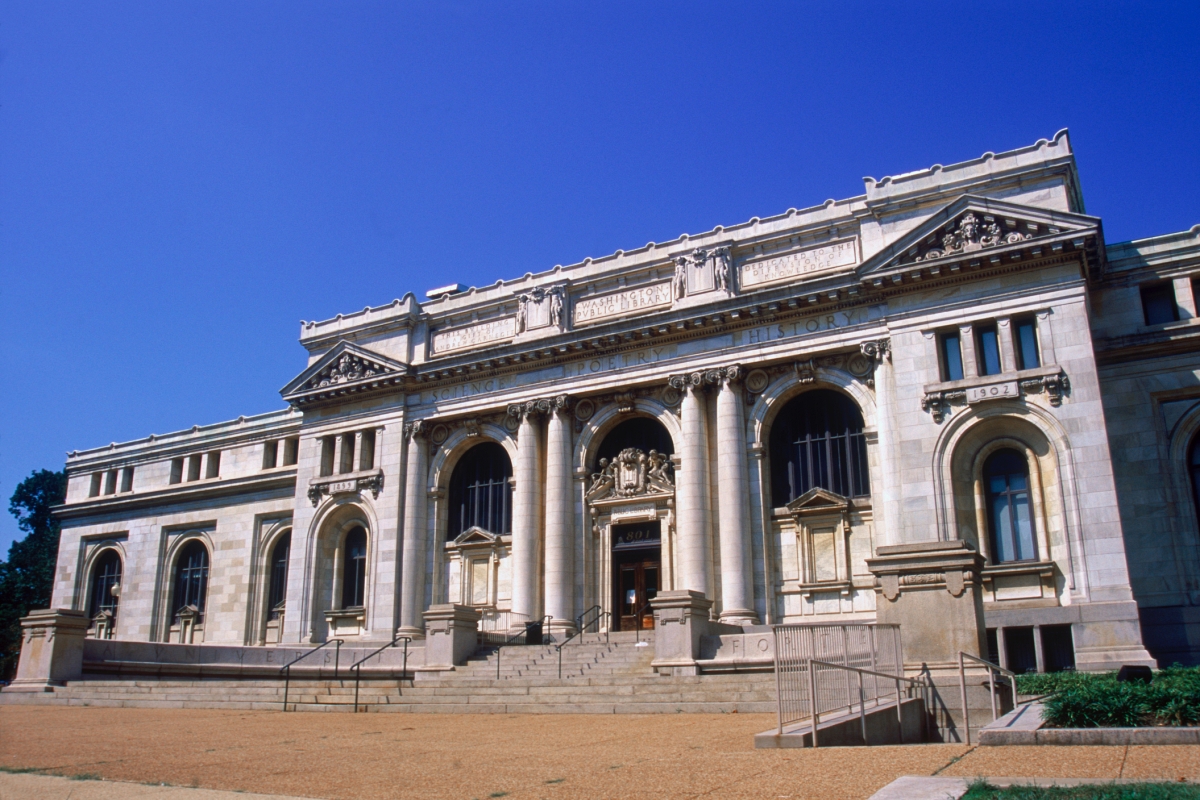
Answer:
(749, 413)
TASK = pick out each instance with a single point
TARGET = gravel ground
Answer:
(519, 756)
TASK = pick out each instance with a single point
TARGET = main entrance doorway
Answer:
(636, 573)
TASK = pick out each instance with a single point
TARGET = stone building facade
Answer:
(749, 413)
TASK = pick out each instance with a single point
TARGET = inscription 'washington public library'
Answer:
(754, 418)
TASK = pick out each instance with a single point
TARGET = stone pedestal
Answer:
(932, 591)
(680, 620)
(51, 649)
(451, 635)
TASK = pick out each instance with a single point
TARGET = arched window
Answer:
(191, 577)
(1006, 478)
(354, 568)
(480, 491)
(1194, 469)
(278, 575)
(817, 441)
(105, 575)
(641, 432)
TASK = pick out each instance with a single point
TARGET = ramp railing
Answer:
(863, 646)
(992, 671)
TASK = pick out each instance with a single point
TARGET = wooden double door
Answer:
(636, 577)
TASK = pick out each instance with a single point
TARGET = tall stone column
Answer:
(412, 568)
(880, 353)
(526, 505)
(733, 482)
(560, 519)
(691, 489)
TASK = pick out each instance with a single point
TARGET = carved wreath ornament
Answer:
(971, 235)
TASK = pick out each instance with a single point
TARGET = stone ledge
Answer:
(1024, 726)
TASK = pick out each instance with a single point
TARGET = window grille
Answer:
(105, 575)
(481, 491)
(818, 441)
(354, 568)
(191, 577)
(279, 571)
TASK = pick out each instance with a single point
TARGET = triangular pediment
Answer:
(818, 499)
(344, 368)
(975, 229)
(475, 536)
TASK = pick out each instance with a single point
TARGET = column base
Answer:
(411, 632)
(739, 616)
(563, 626)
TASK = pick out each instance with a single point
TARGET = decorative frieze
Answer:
(788, 267)
(541, 308)
(703, 270)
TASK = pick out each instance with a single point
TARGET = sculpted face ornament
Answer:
(971, 235)
(345, 369)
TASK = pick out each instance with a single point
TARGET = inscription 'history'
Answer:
(801, 262)
(630, 301)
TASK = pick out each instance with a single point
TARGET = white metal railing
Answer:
(864, 646)
(842, 689)
(992, 671)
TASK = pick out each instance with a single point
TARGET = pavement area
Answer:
(557, 757)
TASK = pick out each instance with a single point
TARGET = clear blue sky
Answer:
(182, 183)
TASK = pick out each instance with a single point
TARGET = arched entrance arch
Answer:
(629, 498)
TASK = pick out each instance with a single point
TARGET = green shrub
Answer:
(981, 790)
(1050, 682)
(1101, 701)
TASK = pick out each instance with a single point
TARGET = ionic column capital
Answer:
(877, 349)
(416, 429)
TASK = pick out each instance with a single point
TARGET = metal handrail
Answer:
(992, 670)
(582, 626)
(286, 669)
(862, 705)
(579, 632)
(512, 639)
(637, 624)
(357, 666)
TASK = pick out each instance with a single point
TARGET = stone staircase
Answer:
(612, 677)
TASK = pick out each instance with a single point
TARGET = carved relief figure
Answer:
(522, 312)
(722, 273)
(630, 474)
(555, 296)
(679, 281)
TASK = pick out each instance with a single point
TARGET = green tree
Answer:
(27, 577)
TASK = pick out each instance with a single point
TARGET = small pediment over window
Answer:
(346, 368)
(818, 500)
(475, 537)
